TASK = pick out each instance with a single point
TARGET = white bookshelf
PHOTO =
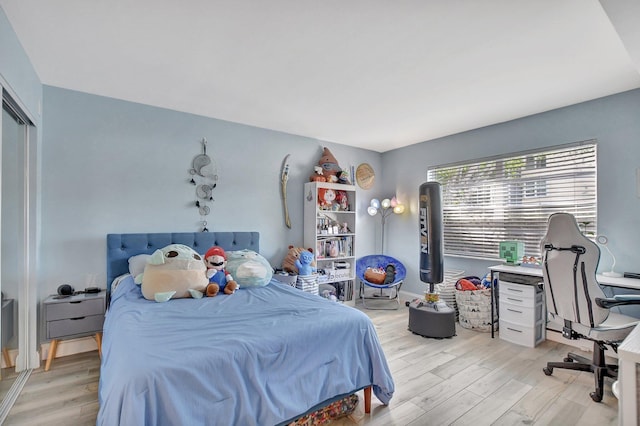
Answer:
(330, 230)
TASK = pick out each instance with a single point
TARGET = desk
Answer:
(628, 378)
(629, 283)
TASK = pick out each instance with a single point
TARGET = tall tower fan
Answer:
(430, 317)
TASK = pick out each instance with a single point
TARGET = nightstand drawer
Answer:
(74, 308)
(72, 326)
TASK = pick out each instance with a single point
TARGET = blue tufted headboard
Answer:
(120, 247)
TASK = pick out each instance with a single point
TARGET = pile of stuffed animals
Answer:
(328, 170)
(471, 283)
(178, 271)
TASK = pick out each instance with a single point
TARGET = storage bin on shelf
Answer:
(474, 309)
(308, 283)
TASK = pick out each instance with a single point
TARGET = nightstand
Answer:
(74, 316)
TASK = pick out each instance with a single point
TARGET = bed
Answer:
(261, 356)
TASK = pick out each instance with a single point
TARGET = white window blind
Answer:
(511, 197)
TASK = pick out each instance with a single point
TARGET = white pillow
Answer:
(137, 264)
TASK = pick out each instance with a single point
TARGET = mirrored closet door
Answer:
(12, 214)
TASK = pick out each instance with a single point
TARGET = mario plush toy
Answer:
(219, 279)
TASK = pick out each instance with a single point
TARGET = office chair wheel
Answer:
(596, 396)
(567, 359)
(548, 370)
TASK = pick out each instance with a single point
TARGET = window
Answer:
(510, 198)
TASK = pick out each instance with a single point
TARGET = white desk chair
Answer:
(576, 302)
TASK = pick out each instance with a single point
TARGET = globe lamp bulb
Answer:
(398, 209)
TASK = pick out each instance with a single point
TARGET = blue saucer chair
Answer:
(380, 261)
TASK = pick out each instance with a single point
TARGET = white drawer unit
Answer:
(522, 312)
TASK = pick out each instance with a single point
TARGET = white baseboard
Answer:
(405, 296)
(70, 347)
(65, 347)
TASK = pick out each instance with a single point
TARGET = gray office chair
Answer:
(575, 301)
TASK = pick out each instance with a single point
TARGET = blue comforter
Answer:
(262, 356)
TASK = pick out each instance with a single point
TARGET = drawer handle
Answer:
(515, 289)
(76, 301)
(513, 329)
(513, 310)
(515, 300)
(75, 319)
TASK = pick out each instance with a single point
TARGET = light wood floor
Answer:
(469, 379)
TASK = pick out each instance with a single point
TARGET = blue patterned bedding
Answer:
(262, 356)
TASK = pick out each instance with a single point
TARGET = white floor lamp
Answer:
(385, 208)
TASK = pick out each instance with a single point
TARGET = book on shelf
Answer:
(335, 247)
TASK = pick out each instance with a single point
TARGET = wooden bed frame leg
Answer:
(367, 399)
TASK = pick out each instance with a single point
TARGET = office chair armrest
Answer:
(619, 300)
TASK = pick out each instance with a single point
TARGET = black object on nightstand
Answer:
(73, 316)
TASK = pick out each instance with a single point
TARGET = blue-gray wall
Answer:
(111, 166)
(614, 121)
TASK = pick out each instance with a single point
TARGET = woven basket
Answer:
(474, 308)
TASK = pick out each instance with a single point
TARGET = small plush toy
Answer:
(343, 177)
(289, 261)
(318, 176)
(342, 200)
(215, 260)
(172, 272)
(330, 167)
(303, 263)
(326, 197)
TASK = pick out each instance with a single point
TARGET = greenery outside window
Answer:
(510, 197)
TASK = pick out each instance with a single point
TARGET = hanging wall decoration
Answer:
(204, 176)
(284, 177)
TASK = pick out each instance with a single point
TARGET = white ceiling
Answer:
(376, 74)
